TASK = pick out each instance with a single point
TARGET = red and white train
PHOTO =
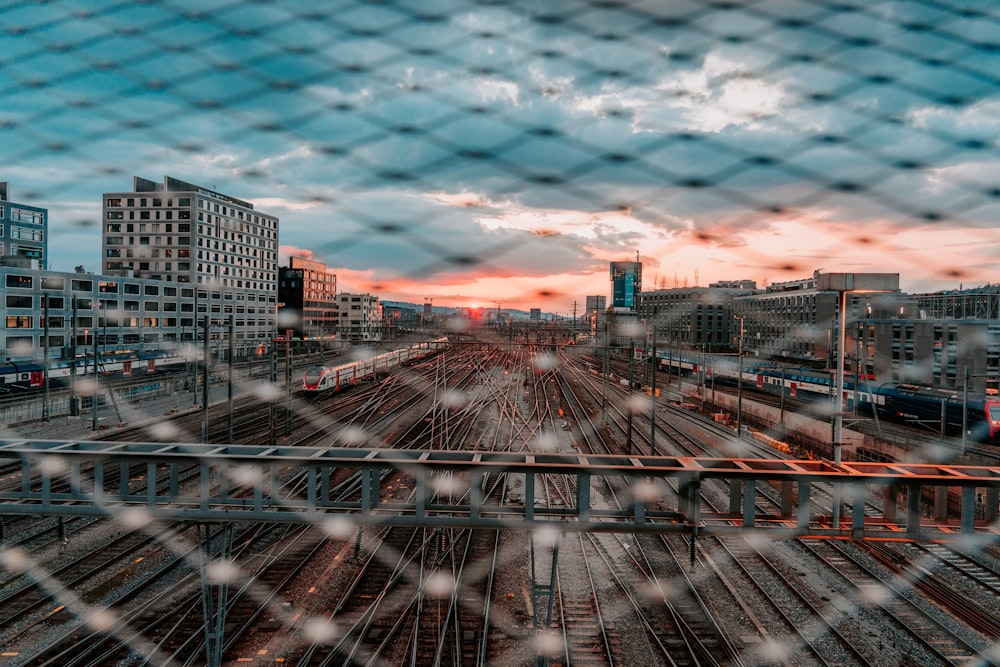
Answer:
(323, 379)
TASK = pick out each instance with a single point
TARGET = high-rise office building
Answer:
(626, 283)
(23, 230)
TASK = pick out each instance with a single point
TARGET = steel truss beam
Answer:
(224, 483)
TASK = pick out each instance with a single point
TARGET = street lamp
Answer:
(843, 283)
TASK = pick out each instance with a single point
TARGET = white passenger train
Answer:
(323, 379)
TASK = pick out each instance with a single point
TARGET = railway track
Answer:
(457, 597)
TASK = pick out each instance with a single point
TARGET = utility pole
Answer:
(232, 327)
(45, 356)
(604, 375)
(288, 382)
(204, 386)
(274, 380)
(965, 407)
(628, 411)
(739, 382)
(73, 409)
(652, 401)
(97, 382)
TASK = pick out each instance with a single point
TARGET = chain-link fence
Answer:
(505, 152)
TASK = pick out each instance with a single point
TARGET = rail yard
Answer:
(126, 590)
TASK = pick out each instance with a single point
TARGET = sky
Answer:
(502, 154)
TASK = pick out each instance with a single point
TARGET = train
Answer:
(911, 404)
(29, 376)
(318, 380)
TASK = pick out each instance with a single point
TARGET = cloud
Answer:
(492, 147)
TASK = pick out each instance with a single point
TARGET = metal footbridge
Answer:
(224, 484)
(229, 483)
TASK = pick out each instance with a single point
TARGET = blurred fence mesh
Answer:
(361, 120)
(381, 132)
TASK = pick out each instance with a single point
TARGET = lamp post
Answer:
(842, 283)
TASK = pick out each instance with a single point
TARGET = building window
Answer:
(53, 283)
(19, 321)
(14, 280)
(19, 301)
(17, 343)
(24, 215)
(108, 287)
(131, 288)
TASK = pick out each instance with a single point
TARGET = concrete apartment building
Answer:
(113, 313)
(178, 232)
(359, 317)
(23, 231)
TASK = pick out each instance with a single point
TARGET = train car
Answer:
(28, 376)
(319, 380)
(903, 403)
(926, 407)
(991, 410)
(16, 376)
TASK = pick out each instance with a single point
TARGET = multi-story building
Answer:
(23, 229)
(790, 321)
(796, 322)
(359, 317)
(942, 353)
(626, 284)
(698, 318)
(177, 232)
(307, 292)
(112, 312)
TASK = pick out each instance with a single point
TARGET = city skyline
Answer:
(488, 154)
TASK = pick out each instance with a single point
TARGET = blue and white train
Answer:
(920, 406)
(319, 380)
